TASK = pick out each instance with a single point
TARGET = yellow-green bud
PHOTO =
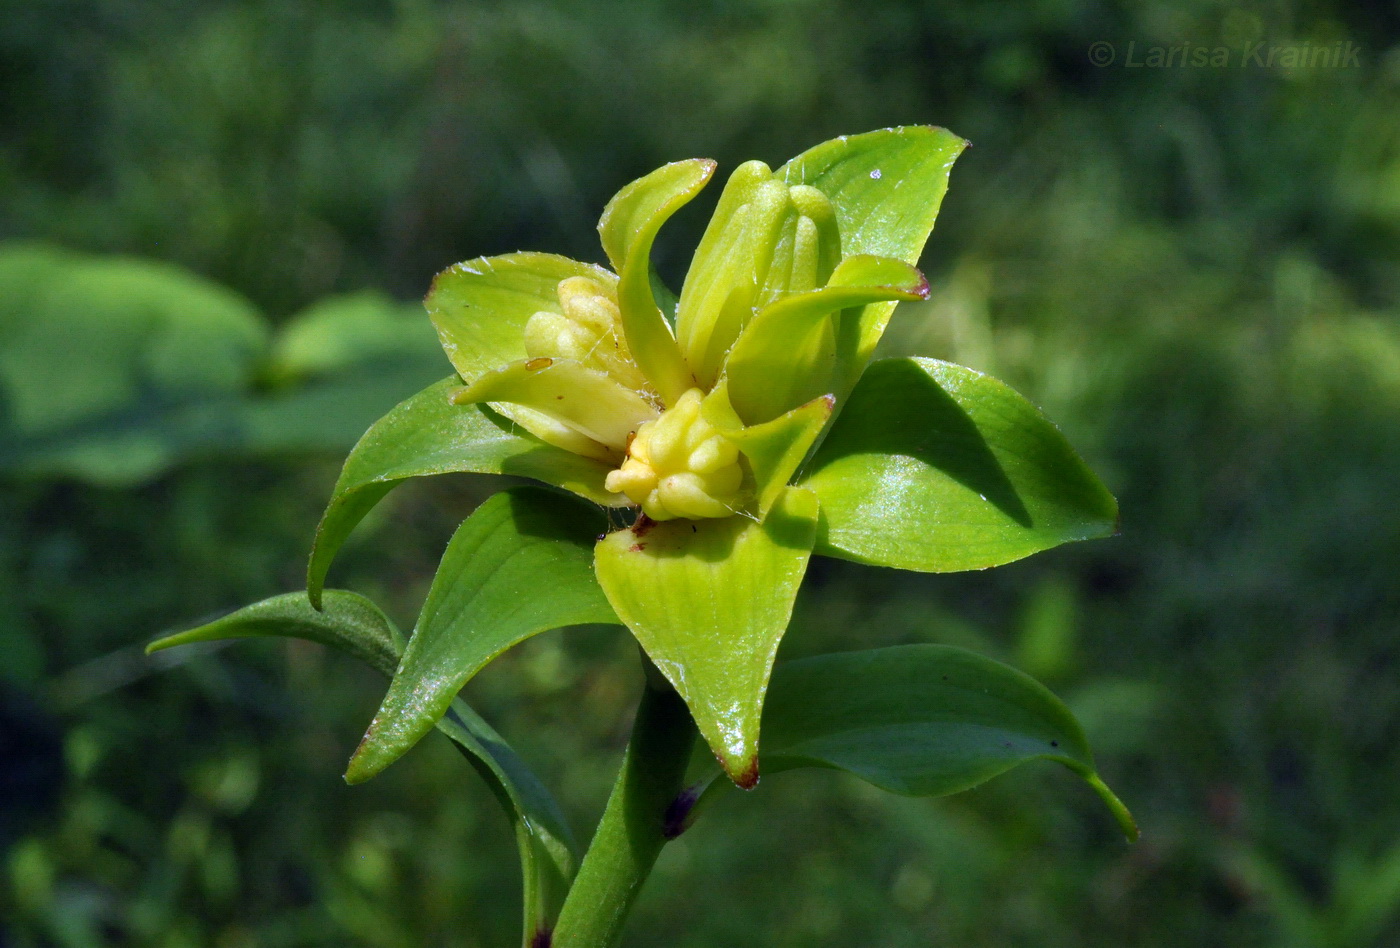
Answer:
(589, 331)
(680, 466)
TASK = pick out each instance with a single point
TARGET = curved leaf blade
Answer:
(485, 598)
(921, 720)
(938, 468)
(709, 601)
(480, 307)
(355, 625)
(628, 227)
(787, 355)
(428, 435)
(887, 187)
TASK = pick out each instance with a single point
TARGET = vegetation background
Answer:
(216, 219)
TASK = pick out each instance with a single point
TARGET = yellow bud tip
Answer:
(681, 466)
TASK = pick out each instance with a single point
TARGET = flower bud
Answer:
(680, 466)
(589, 331)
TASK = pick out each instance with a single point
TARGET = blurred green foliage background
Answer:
(216, 217)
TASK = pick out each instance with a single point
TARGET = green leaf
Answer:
(934, 467)
(887, 186)
(485, 598)
(346, 621)
(709, 601)
(426, 435)
(480, 307)
(921, 720)
(355, 625)
(628, 227)
(788, 353)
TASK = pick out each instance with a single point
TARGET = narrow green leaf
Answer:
(426, 435)
(520, 565)
(628, 227)
(346, 621)
(887, 186)
(788, 353)
(353, 624)
(921, 720)
(934, 467)
(480, 307)
(709, 601)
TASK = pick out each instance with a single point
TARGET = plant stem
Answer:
(633, 828)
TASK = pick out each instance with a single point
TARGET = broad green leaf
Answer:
(921, 720)
(935, 467)
(774, 449)
(426, 435)
(586, 400)
(480, 307)
(788, 354)
(721, 286)
(887, 186)
(353, 624)
(628, 227)
(709, 601)
(520, 565)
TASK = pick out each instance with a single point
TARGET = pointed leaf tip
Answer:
(709, 601)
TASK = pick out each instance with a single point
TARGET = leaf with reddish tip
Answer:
(628, 227)
(352, 624)
(520, 565)
(480, 307)
(791, 352)
(938, 468)
(709, 601)
(428, 435)
(887, 186)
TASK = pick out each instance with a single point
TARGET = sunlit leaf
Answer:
(709, 601)
(480, 307)
(935, 467)
(426, 435)
(628, 227)
(788, 354)
(353, 624)
(520, 565)
(887, 186)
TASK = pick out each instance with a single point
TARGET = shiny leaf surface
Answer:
(887, 186)
(709, 601)
(935, 467)
(480, 307)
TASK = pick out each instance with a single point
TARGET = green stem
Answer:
(634, 824)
